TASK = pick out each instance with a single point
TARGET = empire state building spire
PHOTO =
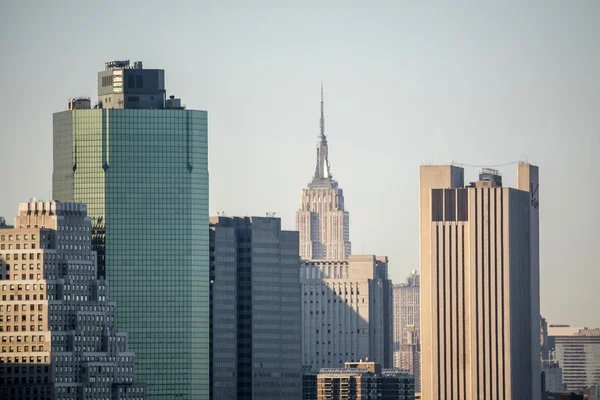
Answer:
(322, 221)
(322, 170)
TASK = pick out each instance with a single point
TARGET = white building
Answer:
(579, 357)
(323, 223)
(346, 311)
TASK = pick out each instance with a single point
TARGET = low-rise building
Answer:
(364, 381)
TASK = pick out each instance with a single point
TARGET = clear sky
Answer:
(405, 83)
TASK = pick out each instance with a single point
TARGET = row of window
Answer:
(17, 349)
(18, 237)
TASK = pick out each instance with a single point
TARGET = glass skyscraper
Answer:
(139, 161)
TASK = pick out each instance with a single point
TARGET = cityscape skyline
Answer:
(542, 134)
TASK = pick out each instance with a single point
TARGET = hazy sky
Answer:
(405, 83)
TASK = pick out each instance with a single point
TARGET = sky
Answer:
(405, 83)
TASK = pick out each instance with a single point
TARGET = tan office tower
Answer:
(479, 285)
(323, 223)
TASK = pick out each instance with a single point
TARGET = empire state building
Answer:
(322, 221)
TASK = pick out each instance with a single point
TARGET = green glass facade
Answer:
(144, 177)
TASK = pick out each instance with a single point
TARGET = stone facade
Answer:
(59, 333)
(322, 221)
(346, 311)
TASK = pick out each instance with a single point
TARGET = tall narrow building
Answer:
(322, 221)
(479, 285)
(407, 327)
(255, 310)
(139, 162)
(57, 319)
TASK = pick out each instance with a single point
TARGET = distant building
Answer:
(346, 311)
(479, 254)
(255, 310)
(594, 393)
(322, 221)
(57, 318)
(544, 349)
(364, 380)
(552, 379)
(407, 351)
(555, 330)
(579, 357)
(139, 161)
(562, 396)
(309, 383)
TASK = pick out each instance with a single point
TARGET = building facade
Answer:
(57, 318)
(364, 381)
(407, 352)
(552, 380)
(479, 285)
(579, 357)
(346, 311)
(322, 221)
(141, 167)
(255, 310)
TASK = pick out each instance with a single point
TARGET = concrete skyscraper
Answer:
(322, 221)
(346, 311)
(255, 310)
(139, 161)
(479, 285)
(57, 318)
(407, 327)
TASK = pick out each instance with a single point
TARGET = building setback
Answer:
(479, 285)
(346, 311)
(364, 381)
(255, 310)
(57, 318)
(322, 221)
(407, 352)
(139, 162)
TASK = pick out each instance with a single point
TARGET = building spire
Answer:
(322, 113)
(322, 171)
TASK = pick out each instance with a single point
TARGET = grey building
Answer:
(140, 163)
(57, 319)
(255, 310)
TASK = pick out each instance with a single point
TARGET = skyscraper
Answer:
(346, 311)
(407, 328)
(59, 335)
(255, 310)
(322, 221)
(139, 162)
(479, 285)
